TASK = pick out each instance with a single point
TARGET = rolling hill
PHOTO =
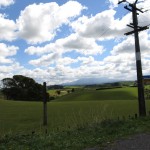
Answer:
(126, 93)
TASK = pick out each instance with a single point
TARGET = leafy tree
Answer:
(58, 92)
(22, 88)
(72, 90)
(68, 91)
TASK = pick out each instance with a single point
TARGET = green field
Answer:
(127, 93)
(69, 111)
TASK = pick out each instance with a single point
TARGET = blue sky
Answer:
(63, 41)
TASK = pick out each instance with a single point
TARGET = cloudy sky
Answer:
(62, 41)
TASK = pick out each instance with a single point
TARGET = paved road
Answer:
(136, 142)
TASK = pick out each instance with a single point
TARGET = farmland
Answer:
(108, 94)
(86, 117)
(69, 111)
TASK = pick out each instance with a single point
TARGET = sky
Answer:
(61, 41)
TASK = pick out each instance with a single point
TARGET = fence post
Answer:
(136, 116)
(44, 105)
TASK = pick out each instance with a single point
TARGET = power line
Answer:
(105, 31)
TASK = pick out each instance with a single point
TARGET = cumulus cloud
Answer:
(39, 50)
(102, 26)
(10, 69)
(4, 60)
(45, 60)
(6, 2)
(57, 75)
(38, 23)
(7, 51)
(66, 61)
(86, 60)
(89, 67)
(85, 46)
(119, 67)
(7, 28)
(128, 45)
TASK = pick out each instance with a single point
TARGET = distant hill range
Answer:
(91, 81)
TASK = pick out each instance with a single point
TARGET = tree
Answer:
(72, 90)
(58, 92)
(22, 88)
(68, 91)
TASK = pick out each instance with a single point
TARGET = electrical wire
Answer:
(105, 31)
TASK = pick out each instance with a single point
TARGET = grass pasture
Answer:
(64, 91)
(78, 120)
(126, 93)
(68, 112)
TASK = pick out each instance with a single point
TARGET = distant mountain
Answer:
(90, 81)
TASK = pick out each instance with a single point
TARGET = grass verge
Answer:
(91, 135)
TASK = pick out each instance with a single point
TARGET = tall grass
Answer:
(76, 111)
(27, 116)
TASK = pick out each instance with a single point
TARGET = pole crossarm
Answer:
(138, 30)
(126, 7)
(133, 8)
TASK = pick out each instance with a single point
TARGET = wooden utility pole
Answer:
(136, 30)
(44, 105)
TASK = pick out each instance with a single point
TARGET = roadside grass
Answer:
(91, 135)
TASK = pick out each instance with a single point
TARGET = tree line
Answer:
(20, 87)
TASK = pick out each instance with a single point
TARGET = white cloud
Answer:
(7, 28)
(86, 60)
(6, 2)
(55, 51)
(113, 3)
(39, 22)
(66, 61)
(102, 26)
(85, 46)
(10, 70)
(7, 51)
(128, 45)
(119, 67)
(4, 60)
(40, 75)
(57, 75)
(45, 60)
(49, 48)
(49, 59)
